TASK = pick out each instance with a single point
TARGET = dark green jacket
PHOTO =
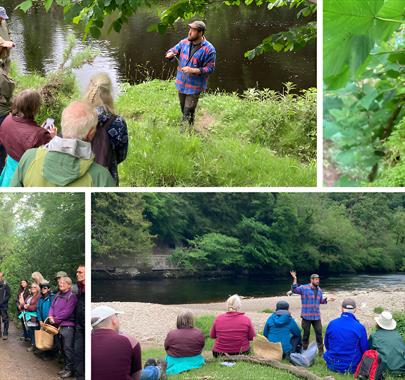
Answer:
(391, 347)
(39, 167)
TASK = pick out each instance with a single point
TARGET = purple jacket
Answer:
(63, 307)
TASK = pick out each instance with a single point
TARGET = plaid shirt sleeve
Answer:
(297, 289)
(176, 49)
(209, 64)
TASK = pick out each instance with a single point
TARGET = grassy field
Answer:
(259, 138)
(213, 370)
(262, 140)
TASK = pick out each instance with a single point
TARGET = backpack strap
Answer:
(101, 145)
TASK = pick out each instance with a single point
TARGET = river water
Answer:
(180, 291)
(134, 53)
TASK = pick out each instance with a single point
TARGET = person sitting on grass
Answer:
(281, 327)
(110, 143)
(232, 330)
(389, 344)
(114, 355)
(19, 132)
(345, 340)
(67, 161)
(184, 346)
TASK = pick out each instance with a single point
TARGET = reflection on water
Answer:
(41, 37)
(172, 291)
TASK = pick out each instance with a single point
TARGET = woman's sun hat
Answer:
(385, 321)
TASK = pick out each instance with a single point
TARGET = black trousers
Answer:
(306, 329)
(67, 335)
(4, 317)
(79, 353)
(188, 104)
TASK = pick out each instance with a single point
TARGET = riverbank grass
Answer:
(234, 144)
(262, 139)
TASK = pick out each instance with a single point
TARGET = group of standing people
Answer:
(37, 305)
(92, 142)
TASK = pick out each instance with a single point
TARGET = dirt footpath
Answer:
(17, 363)
(150, 323)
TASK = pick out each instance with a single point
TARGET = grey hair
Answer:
(234, 303)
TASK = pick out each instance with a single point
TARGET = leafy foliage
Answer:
(92, 15)
(41, 232)
(117, 229)
(330, 233)
(364, 106)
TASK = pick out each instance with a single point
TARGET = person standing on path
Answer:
(6, 44)
(311, 297)
(196, 57)
(4, 297)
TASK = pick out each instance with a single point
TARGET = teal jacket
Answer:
(281, 328)
(43, 307)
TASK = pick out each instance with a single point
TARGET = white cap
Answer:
(385, 321)
(100, 313)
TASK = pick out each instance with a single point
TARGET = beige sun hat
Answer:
(385, 321)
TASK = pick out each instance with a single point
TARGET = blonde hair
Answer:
(234, 303)
(37, 277)
(35, 285)
(78, 118)
(99, 92)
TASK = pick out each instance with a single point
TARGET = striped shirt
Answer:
(310, 303)
(203, 59)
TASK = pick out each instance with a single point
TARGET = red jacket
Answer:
(18, 135)
(232, 331)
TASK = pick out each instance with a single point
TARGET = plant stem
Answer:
(390, 20)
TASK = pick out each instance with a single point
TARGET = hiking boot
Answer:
(320, 351)
(66, 374)
(5, 337)
(30, 349)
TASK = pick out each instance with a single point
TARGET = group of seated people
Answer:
(93, 140)
(117, 355)
(64, 309)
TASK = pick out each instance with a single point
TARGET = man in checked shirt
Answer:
(196, 61)
(311, 297)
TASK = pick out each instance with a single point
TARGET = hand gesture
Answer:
(293, 274)
(53, 131)
(187, 69)
(170, 55)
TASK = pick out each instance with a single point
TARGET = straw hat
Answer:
(385, 321)
(264, 349)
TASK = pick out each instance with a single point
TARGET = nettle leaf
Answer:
(25, 6)
(351, 29)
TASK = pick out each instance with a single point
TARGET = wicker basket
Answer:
(49, 328)
(43, 340)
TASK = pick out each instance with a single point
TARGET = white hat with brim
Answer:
(101, 313)
(3, 13)
(385, 321)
